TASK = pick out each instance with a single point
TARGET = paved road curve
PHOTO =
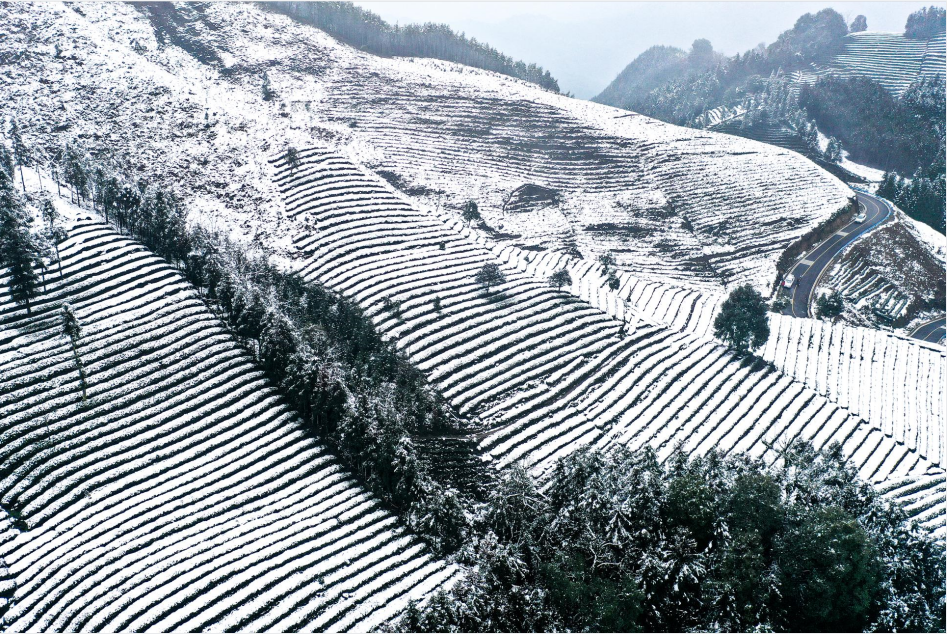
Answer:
(808, 270)
(932, 331)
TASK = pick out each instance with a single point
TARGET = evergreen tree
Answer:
(622, 541)
(830, 306)
(926, 23)
(268, 93)
(71, 329)
(859, 24)
(291, 156)
(560, 279)
(471, 212)
(742, 321)
(833, 151)
(489, 275)
(20, 254)
(20, 151)
(18, 248)
(74, 171)
(6, 161)
(607, 261)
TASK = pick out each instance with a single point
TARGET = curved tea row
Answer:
(182, 495)
(543, 370)
(894, 382)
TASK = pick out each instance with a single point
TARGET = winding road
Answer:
(932, 331)
(808, 270)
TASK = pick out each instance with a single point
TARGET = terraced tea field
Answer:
(891, 59)
(542, 370)
(182, 495)
(892, 381)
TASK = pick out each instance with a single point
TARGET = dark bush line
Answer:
(350, 387)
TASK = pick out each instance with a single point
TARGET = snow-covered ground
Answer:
(180, 96)
(544, 371)
(182, 494)
(186, 497)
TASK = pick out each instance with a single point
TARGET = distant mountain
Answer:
(879, 95)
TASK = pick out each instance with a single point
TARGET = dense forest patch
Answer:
(618, 541)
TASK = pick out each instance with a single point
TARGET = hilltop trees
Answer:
(742, 320)
(859, 24)
(814, 37)
(926, 23)
(367, 31)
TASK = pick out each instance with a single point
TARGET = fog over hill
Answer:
(586, 45)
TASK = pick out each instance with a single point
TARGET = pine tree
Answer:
(17, 247)
(20, 254)
(71, 329)
(6, 161)
(20, 152)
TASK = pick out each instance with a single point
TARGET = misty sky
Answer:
(586, 44)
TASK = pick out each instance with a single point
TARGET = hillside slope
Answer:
(895, 382)
(183, 495)
(894, 276)
(544, 372)
(891, 59)
(669, 202)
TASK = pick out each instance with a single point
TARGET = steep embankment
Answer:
(894, 276)
(182, 495)
(179, 95)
